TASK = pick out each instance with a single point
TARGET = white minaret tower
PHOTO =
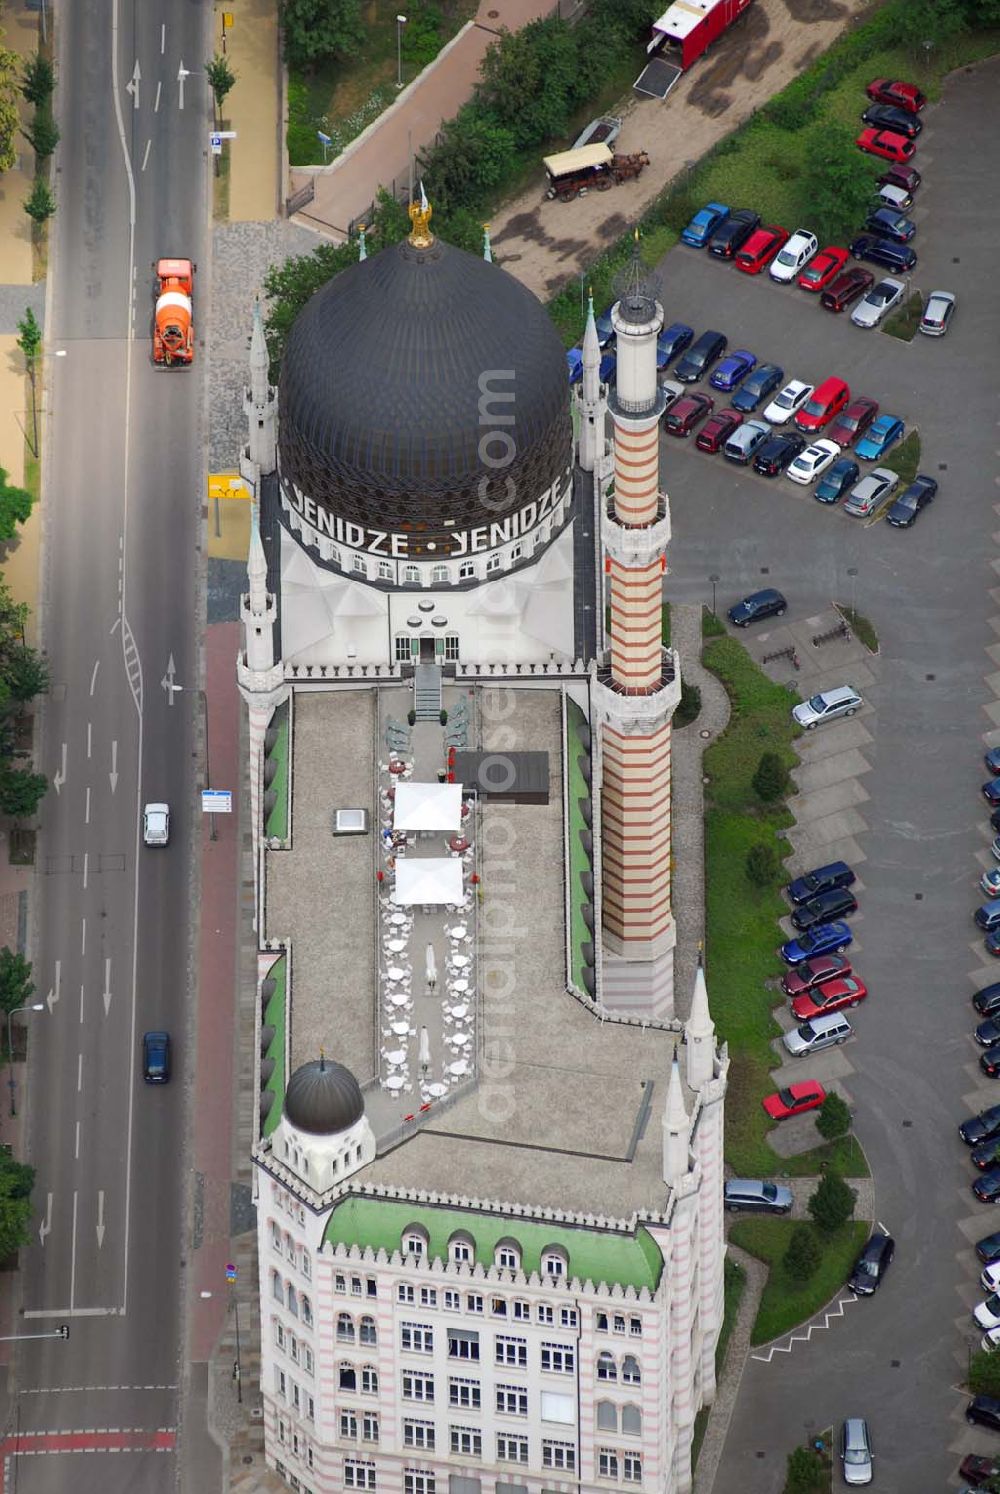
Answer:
(487, 246)
(636, 682)
(259, 674)
(707, 1075)
(591, 398)
(699, 1032)
(676, 1129)
(260, 405)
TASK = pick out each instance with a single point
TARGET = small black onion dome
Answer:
(380, 416)
(323, 1098)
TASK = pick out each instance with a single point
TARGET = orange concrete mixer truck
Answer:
(173, 321)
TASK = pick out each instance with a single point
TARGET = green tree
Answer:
(43, 132)
(422, 34)
(30, 342)
(15, 506)
(832, 1204)
(16, 985)
(472, 156)
(936, 22)
(762, 865)
(802, 1256)
(318, 29)
(807, 1473)
(21, 791)
(841, 179)
(10, 119)
(770, 779)
(531, 81)
(24, 672)
(220, 79)
(833, 1118)
(16, 1182)
(690, 704)
(41, 204)
(984, 1373)
(38, 80)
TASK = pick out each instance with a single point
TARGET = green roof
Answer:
(594, 1254)
(275, 1017)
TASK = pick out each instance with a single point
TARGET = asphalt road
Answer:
(898, 1357)
(112, 938)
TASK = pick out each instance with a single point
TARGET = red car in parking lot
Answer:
(854, 421)
(760, 248)
(829, 997)
(685, 413)
(815, 972)
(902, 95)
(826, 401)
(907, 177)
(885, 144)
(795, 1100)
(717, 430)
(847, 287)
(823, 268)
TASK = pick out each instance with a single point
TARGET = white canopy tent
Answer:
(433, 881)
(428, 806)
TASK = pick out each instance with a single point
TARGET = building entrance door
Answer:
(427, 650)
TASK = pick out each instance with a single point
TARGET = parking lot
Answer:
(920, 827)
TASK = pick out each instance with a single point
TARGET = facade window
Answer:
(508, 1258)
(522, 1310)
(559, 1455)
(417, 1386)
(280, 1383)
(511, 1351)
(349, 1425)
(544, 1313)
(452, 1301)
(512, 1400)
(340, 1284)
(369, 1380)
(553, 1263)
(367, 1332)
(404, 1292)
(415, 1243)
(635, 1327)
(498, 1307)
(345, 1328)
(296, 1399)
(559, 1358)
(463, 1343)
(451, 647)
(515, 553)
(607, 1463)
(277, 1288)
(492, 563)
(619, 1322)
(371, 1285)
(465, 1393)
(403, 652)
(607, 1416)
(415, 1481)
(460, 1250)
(359, 1475)
(473, 1302)
(467, 1440)
(385, 572)
(310, 1407)
(416, 1338)
(306, 1264)
(307, 1312)
(567, 1317)
(511, 1449)
(275, 1237)
(355, 1285)
(282, 1429)
(279, 1334)
(631, 1373)
(369, 1427)
(290, 1248)
(307, 1359)
(419, 1434)
(359, 565)
(607, 1369)
(411, 575)
(602, 1322)
(467, 570)
(632, 1421)
(347, 1379)
(428, 1297)
(632, 1468)
(293, 1349)
(440, 574)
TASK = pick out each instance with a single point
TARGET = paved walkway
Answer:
(253, 109)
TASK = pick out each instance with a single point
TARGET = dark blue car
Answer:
(757, 606)
(907, 507)
(837, 480)
(705, 221)
(993, 760)
(883, 252)
(574, 364)
(819, 940)
(764, 380)
(890, 224)
(609, 362)
(820, 879)
(733, 368)
(673, 341)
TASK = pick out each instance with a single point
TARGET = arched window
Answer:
(306, 1263)
(359, 565)
(632, 1421)
(367, 1333)
(415, 1240)
(275, 1236)
(492, 563)
(369, 1379)
(467, 570)
(554, 1261)
(411, 575)
(461, 1249)
(292, 1299)
(277, 1290)
(345, 1328)
(440, 573)
(607, 1416)
(630, 1370)
(385, 572)
(607, 1369)
(347, 1377)
(307, 1312)
(290, 1248)
(507, 1255)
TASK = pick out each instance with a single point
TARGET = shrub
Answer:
(802, 1255)
(39, 80)
(807, 1472)
(762, 865)
(690, 704)
(43, 133)
(834, 1117)
(832, 1204)
(770, 781)
(984, 1373)
(40, 204)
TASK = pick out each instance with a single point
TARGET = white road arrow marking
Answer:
(113, 775)
(53, 995)
(168, 681)
(59, 777)
(132, 87)
(93, 677)
(100, 1217)
(107, 986)
(182, 73)
(45, 1228)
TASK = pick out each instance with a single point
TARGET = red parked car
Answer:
(760, 248)
(823, 268)
(815, 972)
(717, 430)
(890, 91)
(829, 997)
(847, 287)
(854, 421)
(885, 144)
(907, 177)
(826, 401)
(795, 1100)
(685, 413)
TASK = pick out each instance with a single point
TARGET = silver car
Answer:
(937, 313)
(879, 300)
(745, 440)
(871, 492)
(673, 392)
(856, 1451)
(828, 705)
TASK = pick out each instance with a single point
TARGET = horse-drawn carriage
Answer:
(572, 173)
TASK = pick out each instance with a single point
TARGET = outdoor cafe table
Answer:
(399, 998)
(458, 843)
(394, 1081)
(397, 1057)
(401, 1029)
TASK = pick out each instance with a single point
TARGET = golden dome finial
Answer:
(420, 216)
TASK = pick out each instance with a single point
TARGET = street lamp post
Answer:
(400, 23)
(36, 1006)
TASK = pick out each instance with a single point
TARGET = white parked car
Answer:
(828, 705)
(795, 255)
(990, 1341)
(987, 1314)
(880, 299)
(788, 402)
(156, 824)
(808, 465)
(894, 197)
(871, 491)
(937, 313)
(673, 392)
(990, 1278)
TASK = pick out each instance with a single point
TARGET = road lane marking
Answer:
(107, 985)
(86, 808)
(93, 677)
(45, 1228)
(100, 1217)
(145, 154)
(132, 86)
(72, 1257)
(53, 995)
(59, 777)
(72, 1312)
(77, 1147)
(113, 775)
(182, 73)
(86, 854)
(163, 37)
(83, 938)
(90, 734)
(86, 1389)
(81, 1003)
(156, 104)
(79, 1072)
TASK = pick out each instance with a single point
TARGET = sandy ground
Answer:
(547, 243)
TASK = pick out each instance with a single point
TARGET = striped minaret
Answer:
(637, 681)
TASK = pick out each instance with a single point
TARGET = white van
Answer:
(819, 1032)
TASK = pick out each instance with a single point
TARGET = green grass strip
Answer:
(786, 1302)
(579, 861)
(275, 1017)
(277, 820)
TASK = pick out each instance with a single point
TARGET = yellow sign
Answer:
(227, 485)
(227, 19)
